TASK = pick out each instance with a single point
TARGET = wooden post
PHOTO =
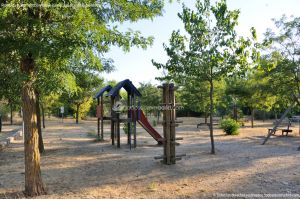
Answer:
(112, 123)
(116, 118)
(102, 114)
(131, 123)
(98, 121)
(172, 123)
(118, 130)
(167, 122)
(129, 117)
(134, 122)
(164, 123)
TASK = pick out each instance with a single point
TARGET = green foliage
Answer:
(51, 103)
(154, 123)
(210, 51)
(125, 128)
(67, 43)
(194, 95)
(253, 91)
(285, 50)
(230, 126)
(4, 110)
(151, 97)
(10, 85)
(84, 107)
(79, 90)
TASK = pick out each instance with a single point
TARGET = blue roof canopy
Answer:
(103, 90)
(127, 85)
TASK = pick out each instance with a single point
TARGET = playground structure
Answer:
(135, 114)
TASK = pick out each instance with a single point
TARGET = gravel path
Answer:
(75, 166)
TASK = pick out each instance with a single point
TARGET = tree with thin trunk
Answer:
(252, 91)
(43, 115)
(211, 51)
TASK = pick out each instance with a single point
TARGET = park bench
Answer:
(286, 123)
(215, 122)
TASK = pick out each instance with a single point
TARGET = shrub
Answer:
(154, 123)
(230, 126)
(125, 128)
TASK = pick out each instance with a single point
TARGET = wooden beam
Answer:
(118, 131)
(167, 135)
(102, 113)
(98, 121)
(172, 124)
(134, 122)
(129, 118)
(112, 123)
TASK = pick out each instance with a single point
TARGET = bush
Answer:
(154, 123)
(230, 126)
(125, 128)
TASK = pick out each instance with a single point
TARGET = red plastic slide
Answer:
(143, 121)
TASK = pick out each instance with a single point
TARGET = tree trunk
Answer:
(211, 117)
(33, 180)
(0, 123)
(77, 113)
(205, 117)
(11, 113)
(43, 115)
(252, 117)
(39, 123)
(235, 116)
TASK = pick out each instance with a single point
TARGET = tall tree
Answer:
(10, 86)
(194, 96)
(285, 40)
(252, 91)
(151, 97)
(81, 91)
(212, 49)
(55, 33)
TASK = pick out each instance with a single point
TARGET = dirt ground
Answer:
(75, 166)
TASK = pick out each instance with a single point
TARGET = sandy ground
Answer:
(8, 130)
(75, 166)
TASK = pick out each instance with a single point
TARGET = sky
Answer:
(136, 65)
